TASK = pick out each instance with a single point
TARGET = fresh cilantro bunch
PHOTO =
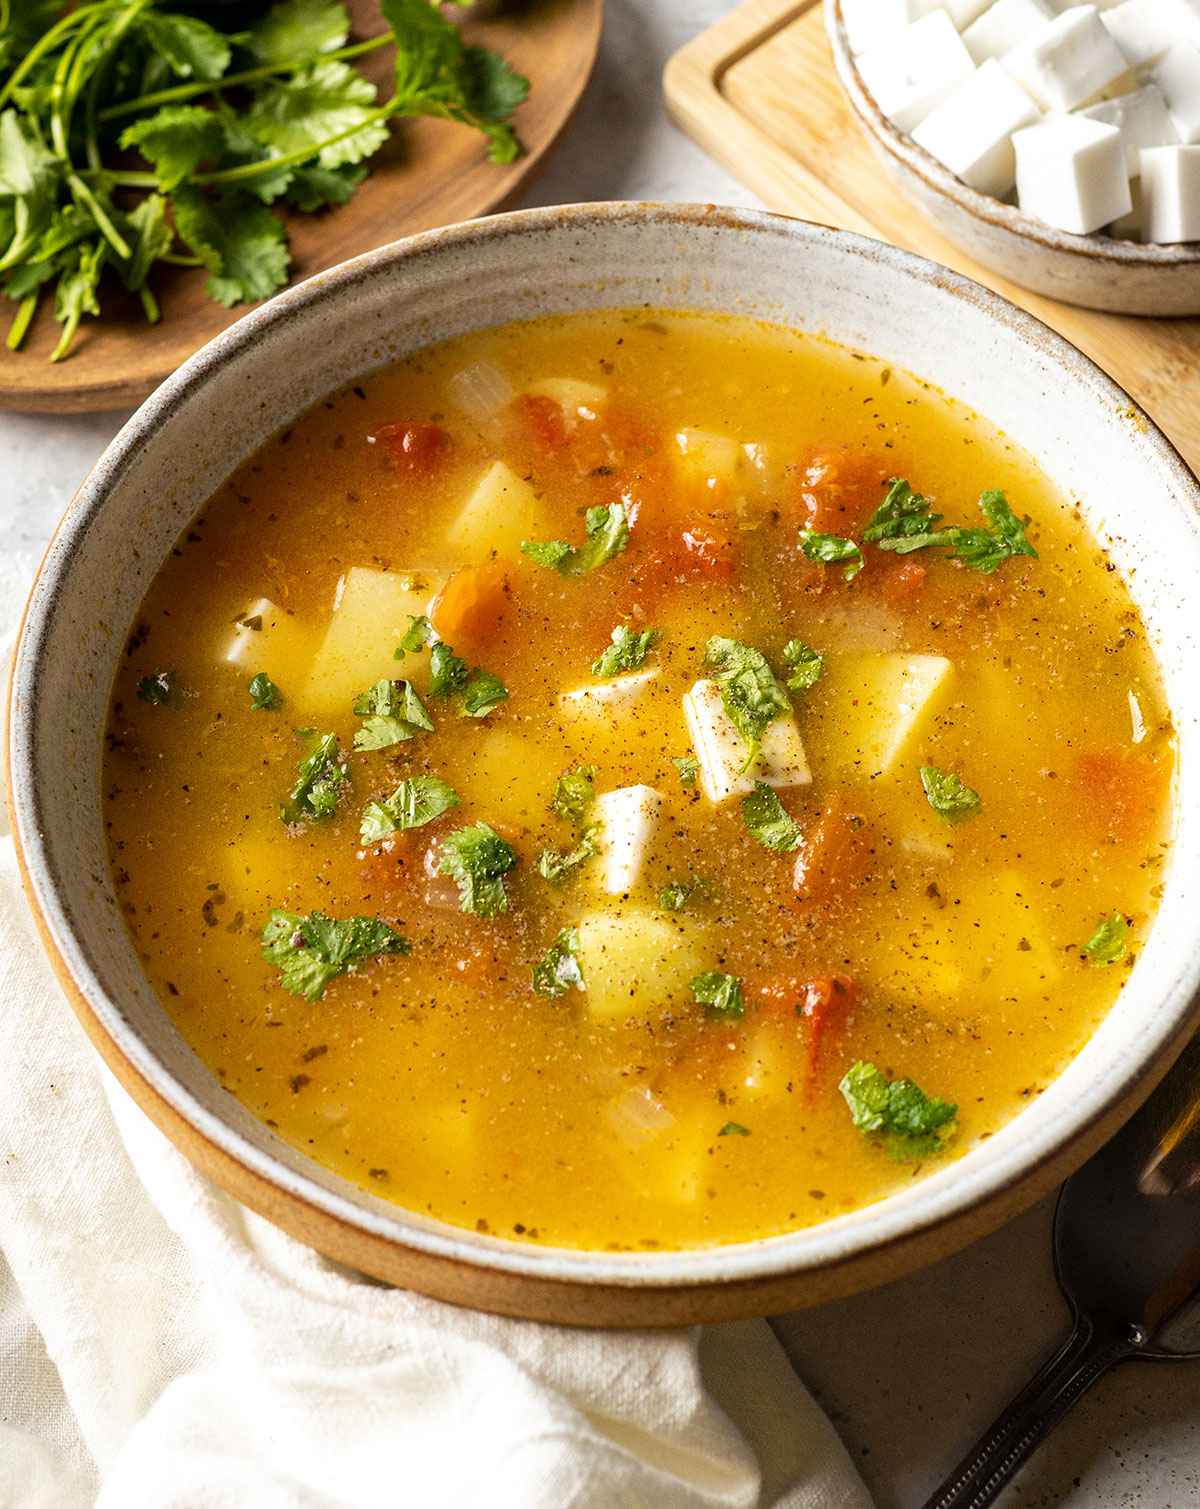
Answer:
(228, 123)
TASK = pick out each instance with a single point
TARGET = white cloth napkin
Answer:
(161, 1346)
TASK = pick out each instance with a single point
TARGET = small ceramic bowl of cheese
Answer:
(1058, 144)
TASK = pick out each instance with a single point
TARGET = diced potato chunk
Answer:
(506, 772)
(598, 704)
(581, 399)
(635, 962)
(879, 707)
(371, 610)
(266, 638)
(500, 512)
(722, 754)
(627, 818)
(710, 460)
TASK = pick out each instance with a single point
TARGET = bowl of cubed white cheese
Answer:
(1057, 143)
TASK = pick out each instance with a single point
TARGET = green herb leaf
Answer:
(688, 767)
(905, 521)
(416, 801)
(1108, 944)
(753, 698)
(482, 693)
(176, 139)
(558, 969)
(265, 696)
(241, 243)
(447, 672)
(912, 1124)
(947, 795)
(832, 550)
(311, 951)
(986, 549)
(478, 859)
(677, 894)
(806, 665)
(190, 48)
(156, 689)
(312, 187)
(769, 821)
(556, 865)
(903, 515)
(321, 780)
(627, 652)
(734, 1129)
(415, 637)
(151, 238)
(297, 29)
(574, 793)
(721, 993)
(607, 535)
(313, 106)
(392, 712)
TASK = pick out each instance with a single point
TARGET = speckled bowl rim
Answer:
(985, 1176)
(1008, 217)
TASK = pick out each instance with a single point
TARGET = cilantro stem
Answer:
(132, 180)
(232, 80)
(21, 321)
(93, 206)
(251, 170)
(47, 43)
(149, 305)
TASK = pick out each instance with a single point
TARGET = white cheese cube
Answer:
(1145, 29)
(601, 703)
(265, 638)
(878, 706)
(971, 132)
(636, 963)
(1003, 26)
(1171, 185)
(1071, 173)
(1178, 76)
(912, 74)
(627, 817)
(1131, 227)
(500, 512)
(1142, 120)
(1069, 61)
(371, 610)
(581, 400)
(722, 754)
(869, 23)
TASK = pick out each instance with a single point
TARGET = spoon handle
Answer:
(1086, 1355)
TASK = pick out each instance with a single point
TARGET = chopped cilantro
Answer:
(905, 522)
(607, 535)
(734, 1129)
(391, 712)
(415, 802)
(769, 821)
(556, 864)
(677, 894)
(415, 637)
(986, 549)
(947, 795)
(627, 652)
(482, 693)
(558, 969)
(156, 689)
(753, 698)
(321, 779)
(574, 793)
(912, 1124)
(832, 550)
(478, 859)
(688, 767)
(722, 994)
(1108, 944)
(447, 671)
(265, 696)
(310, 951)
(805, 664)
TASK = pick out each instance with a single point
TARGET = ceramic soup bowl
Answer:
(263, 373)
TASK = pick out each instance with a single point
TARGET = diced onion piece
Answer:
(636, 1117)
(480, 391)
(1137, 721)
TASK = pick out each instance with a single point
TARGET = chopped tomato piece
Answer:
(389, 870)
(824, 1003)
(415, 448)
(1121, 792)
(901, 581)
(707, 553)
(836, 854)
(543, 419)
(840, 490)
(472, 605)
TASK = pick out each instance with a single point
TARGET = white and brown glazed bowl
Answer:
(1098, 272)
(270, 367)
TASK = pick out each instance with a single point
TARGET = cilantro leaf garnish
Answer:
(311, 951)
(558, 969)
(734, 1129)
(607, 535)
(265, 696)
(392, 712)
(556, 864)
(574, 793)
(912, 1125)
(721, 993)
(902, 516)
(805, 663)
(298, 28)
(158, 689)
(482, 693)
(478, 859)
(753, 698)
(688, 767)
(832, 550)
(1108, 944)
(677, 894)
(321, 780)
(905, 522)
(986, 549)
(447, 671)
(769, 821)
(947, 794)
(415, 802)
(627, 652)
(415, 637)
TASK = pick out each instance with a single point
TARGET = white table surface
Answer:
(912, 1372)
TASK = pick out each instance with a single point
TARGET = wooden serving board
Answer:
(759, 92)
(430, 173)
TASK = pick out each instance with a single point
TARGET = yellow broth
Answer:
(626, 1114)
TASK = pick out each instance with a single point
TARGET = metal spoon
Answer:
(1127, 1257)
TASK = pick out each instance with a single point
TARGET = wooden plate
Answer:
(430, 173)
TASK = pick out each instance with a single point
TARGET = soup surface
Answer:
(568, 785)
